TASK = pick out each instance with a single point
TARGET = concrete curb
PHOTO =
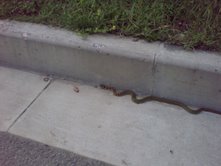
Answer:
(157, 69)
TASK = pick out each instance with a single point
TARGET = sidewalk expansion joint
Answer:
(49, 83)
(154, 66)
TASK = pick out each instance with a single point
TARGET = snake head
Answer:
(103, 86)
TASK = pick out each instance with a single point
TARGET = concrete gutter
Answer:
(149, 68)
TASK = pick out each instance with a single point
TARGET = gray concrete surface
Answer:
(93, 60)
(158, 69)
(18, 151)
(94, 123)
(17, 90)
(192, 77)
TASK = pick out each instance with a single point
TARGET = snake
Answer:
(137, 100)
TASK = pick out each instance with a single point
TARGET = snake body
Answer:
(154, 98)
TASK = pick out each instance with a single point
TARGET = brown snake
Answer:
(154, 98)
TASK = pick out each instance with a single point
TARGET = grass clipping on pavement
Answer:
(190, 23)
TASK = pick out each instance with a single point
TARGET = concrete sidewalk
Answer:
(92, 122)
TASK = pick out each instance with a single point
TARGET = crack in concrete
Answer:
(154, 66)
(38, 95)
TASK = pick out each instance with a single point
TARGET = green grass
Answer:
(190, 23)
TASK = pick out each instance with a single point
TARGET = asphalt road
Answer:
(18, 151)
